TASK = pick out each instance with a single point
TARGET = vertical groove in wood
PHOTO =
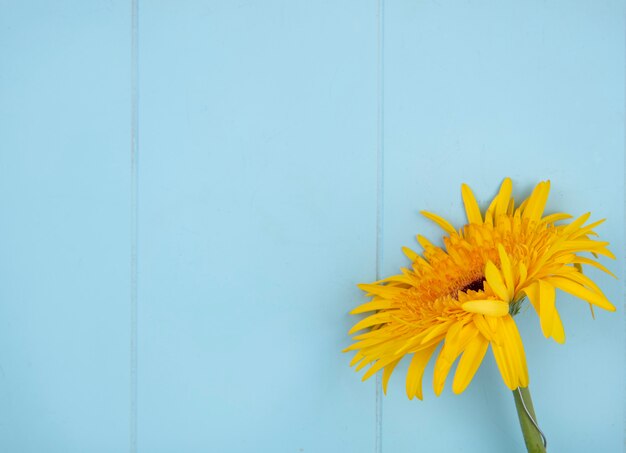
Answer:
(134, 230)
(379, 200)
(624, 220)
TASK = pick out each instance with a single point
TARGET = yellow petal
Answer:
(364, 362)
(576, 223)
(509, 354)
(416, 372)
(503, 197)
(507, 271)
(547, 309)
(379, 365)
(582, 279)
(522, 208)
(356, 359)
(483, 326)
(443, 223)
(385, 291)
(494, 278)
(588, 229)
(378, 318)
(537, 201)
(558, 333)
(410, 254)
(532, 291)
(584, 245)
(552, 218)
(471, 206)
(487, 307)
(516, 350)
(579, 291)
(387, 374)
(590, 262)
(504, 366)
(435, 331)
(421, 263)
(453, 335)
(455, 343)
(442, 368)
(469, 363)
(490, 210)
(425, 243)
(511, 209)
(523, 274)
(377, 304)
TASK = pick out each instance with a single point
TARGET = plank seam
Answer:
(624, 236)
(379, 199)
(134, 154)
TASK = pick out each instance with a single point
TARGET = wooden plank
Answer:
(257, 217)
(64, 248)
(476, 91)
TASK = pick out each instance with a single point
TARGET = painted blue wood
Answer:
(257, 215)
(64, 228)
(474, 92)
(257, 218)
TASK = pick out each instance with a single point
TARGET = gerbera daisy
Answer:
(464, 295)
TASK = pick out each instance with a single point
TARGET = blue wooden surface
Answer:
(64, 233)
(533, 90)
(256, 204)
(257, 217)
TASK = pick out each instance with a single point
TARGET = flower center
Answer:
(476, 285)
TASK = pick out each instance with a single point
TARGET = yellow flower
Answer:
(465, 295)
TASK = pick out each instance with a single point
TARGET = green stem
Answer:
(532, 435)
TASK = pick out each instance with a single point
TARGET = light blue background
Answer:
(190, 191)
